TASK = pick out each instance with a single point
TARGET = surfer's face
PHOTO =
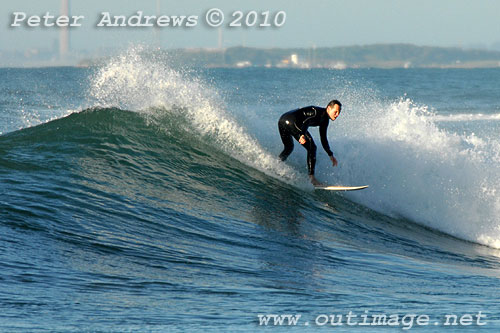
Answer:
(333, 112)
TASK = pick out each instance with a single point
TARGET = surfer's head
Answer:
(333, 109)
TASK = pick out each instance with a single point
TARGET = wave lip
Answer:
(138, 81)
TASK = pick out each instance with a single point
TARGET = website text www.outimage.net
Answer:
(367, 319)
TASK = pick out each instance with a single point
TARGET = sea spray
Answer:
(138, 80)
(421, 171)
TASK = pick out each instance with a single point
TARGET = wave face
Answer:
(118, 152)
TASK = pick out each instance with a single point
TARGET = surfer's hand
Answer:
(334, 161)
(302, 139)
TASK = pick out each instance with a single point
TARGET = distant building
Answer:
(243, 64)
(339, 65)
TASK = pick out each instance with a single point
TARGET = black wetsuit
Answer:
(295, 123)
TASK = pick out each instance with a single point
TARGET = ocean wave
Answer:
(164, 126)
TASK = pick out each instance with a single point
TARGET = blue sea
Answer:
(141, 196)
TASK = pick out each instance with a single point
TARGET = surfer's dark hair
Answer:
(333, 102)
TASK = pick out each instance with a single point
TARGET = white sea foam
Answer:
(415, 169)
(138, 81)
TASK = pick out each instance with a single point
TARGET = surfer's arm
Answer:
(324, 142)
(303, 130)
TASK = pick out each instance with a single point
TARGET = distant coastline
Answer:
(368, 56)
(342, 57)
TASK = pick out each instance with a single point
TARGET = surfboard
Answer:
(339, 188)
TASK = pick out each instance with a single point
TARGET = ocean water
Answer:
(138, 196)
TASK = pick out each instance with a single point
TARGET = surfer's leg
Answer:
(311, 153)
(287, 139)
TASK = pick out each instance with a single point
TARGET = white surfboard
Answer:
(339, 188)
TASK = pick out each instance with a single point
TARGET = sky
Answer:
(311, 23)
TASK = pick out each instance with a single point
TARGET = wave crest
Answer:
(139, 80)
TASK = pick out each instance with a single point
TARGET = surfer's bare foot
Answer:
(314, 181)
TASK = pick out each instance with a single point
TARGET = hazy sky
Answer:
(464, 23)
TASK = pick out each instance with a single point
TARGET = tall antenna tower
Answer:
(64, 32)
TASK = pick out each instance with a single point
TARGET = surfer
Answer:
(295, 123)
